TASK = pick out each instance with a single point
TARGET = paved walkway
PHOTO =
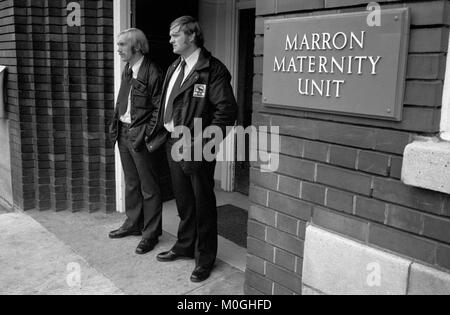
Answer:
(41, 253)
(33, 261)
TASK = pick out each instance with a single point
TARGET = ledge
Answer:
(337, 265)
(426, 164)
(428, 281)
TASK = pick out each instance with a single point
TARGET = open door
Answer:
(154, 18)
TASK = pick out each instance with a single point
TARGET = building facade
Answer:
(336, 217)
(358, 205)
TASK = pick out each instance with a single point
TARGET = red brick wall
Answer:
(60, 102)
(343, 173)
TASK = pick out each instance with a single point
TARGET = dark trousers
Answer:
(197, 208)
(142, 193)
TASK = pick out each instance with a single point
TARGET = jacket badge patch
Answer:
(200, 90)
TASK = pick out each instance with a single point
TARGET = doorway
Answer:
(154, 18)
(245, 73)
(228, 26)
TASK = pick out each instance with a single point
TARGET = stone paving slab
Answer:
(33, 261)
(428, 281)
(87, 234)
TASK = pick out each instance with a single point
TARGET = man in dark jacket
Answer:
(197, 86)
(136, 111)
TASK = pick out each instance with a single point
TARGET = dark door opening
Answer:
(245, 91)
(154, 18)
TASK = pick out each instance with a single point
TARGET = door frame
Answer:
(234, 11)
(122, 21)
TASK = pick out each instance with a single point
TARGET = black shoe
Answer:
(171, 256)
(200, 274)
(146, 246)
(121, 233)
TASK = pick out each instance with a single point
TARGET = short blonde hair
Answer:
(189, 25)
(137, 39)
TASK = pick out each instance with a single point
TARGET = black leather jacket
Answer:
(145, 102)
(206, 94)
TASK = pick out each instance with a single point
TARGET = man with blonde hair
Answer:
(197, 86)
(136, 110)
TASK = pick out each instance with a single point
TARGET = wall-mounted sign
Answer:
(338, 63)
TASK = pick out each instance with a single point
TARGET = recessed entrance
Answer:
(154, 18)
(229, 34)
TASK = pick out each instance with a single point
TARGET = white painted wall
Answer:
(215, 17)
(218, 20)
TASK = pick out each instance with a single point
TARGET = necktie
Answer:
(176, 88)
(124, 93)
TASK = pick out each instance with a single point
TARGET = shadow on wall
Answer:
(5, 158)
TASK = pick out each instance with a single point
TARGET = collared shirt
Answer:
(191, 61)
(126, 118)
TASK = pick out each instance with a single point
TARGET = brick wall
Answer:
(7, 44)
(60, 100)
(343, 173)
(7, 58)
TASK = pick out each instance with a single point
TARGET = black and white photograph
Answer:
(223, 153)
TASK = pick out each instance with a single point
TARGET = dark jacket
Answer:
(206, 93)
(145, 101)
